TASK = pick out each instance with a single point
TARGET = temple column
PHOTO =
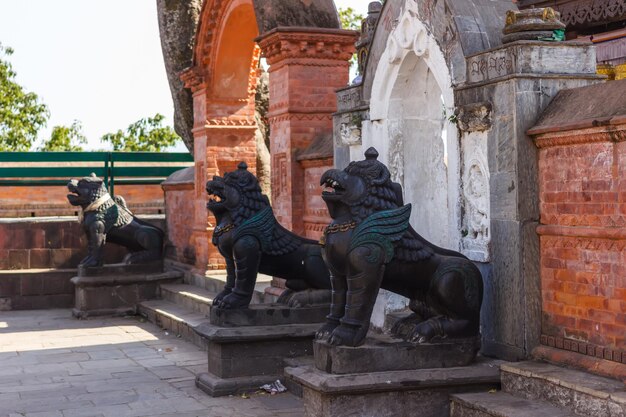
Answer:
(224, 135)
(307, 66)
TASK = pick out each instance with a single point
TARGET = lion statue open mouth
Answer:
(370, 245)
(107, 219)
(252, 241)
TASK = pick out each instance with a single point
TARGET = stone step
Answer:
(176, 319)
(214, 282)
(580, 392)
(294, 386)
(189, 296)
(502, 404)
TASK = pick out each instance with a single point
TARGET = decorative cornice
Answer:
(228, 122)
(181, 186)
(586, 243)
(584, 11)
(304, 108)
(577, 12)
(578, 134)
(564, 220)
(615, 233)
(193, 79)
(286, 115)
(322, 161)
(584, 348)
(308, 46)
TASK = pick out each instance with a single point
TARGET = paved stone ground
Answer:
(52, 365)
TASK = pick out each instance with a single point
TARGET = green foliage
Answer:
(145, 135)
(350, 19)
(21, 113)
(65, 139)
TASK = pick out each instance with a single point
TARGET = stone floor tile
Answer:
(45, 414)
(120, 410)
(110, 353)
(171, 372)
(159, 361)
(99, 367)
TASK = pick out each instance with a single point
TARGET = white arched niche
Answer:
(411, 102)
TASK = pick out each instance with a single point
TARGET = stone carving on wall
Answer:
(368, 27)
(350, 133)
(476, 233)
(475, 117)
(410, 34)
(395, 159)
(486, 67)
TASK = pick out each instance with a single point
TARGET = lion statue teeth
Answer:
(107, 219)
(370, 245)
(252, 241)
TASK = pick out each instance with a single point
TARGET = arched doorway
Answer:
(410, 106)
(223, 82)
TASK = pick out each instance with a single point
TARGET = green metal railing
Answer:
(103, 164)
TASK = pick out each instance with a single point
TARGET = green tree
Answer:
(145, 135)
(65, 139)
(21, 112)
(350, 19)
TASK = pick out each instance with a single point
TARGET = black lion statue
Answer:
(370, 245)
(252, 241)
(107, 219)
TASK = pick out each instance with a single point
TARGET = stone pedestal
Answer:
(117, 289)
(381, 353)
(241, 359)
(390, 377)
(424, 392)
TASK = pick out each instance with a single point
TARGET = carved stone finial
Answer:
(243, 166)
(367, 33)
(371, 154)
(532, 24)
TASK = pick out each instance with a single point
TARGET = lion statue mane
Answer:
(252, 241)
(370, 245)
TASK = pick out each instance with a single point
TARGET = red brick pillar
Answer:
(307, 66)
(224, 135)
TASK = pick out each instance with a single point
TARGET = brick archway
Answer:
(223, 81)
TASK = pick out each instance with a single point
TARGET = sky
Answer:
(92, 61)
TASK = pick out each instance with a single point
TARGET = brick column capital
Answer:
(192, 79)
(308, 46)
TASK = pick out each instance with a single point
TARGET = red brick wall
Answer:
(57, 243)
(583, 243)
(179, 203)
(52, 200)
